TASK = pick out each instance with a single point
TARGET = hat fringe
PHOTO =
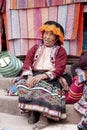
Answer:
(55, 31)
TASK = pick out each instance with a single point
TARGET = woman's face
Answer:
(49, 38)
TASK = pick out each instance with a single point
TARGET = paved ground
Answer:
(14, 122)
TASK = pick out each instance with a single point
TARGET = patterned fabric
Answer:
(41, 65)
(23, 4)
(44, 98)
(12, 91)
(33, 24)
(82, 75)
(77, 87)
(82, 125)
(27, 25)
(75, 91)
(58, 59)
(81, 105)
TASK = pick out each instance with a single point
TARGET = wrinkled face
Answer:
(49, 38)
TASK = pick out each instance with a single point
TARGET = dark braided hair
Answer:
(56, 24)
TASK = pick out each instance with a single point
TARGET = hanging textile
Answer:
(25, 4)
(2, 10)
(23, 25)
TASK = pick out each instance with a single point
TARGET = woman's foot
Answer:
(33, 118)
(42, 123)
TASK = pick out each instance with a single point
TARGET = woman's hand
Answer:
(32, 80)
(39, 77)
(64, 83)
(29, 81)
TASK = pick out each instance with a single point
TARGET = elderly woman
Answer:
(40, 88)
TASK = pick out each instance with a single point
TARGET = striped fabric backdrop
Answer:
(23, 24)
(24, 4)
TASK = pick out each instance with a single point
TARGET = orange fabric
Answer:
(74, 98)
(86, 75)
(76, 21)
(13, 4)
(80, 30)
(6, 32)
(54, 29)
(74, 93)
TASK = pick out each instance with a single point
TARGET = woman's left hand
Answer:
(64, 83)
(32, 80)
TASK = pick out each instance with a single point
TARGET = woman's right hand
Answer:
(29, 81)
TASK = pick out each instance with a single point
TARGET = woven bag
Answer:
(10, 65)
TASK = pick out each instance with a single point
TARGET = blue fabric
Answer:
(84, 39)
(12, 91)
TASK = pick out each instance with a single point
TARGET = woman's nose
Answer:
(48, 36)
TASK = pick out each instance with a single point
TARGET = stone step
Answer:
(5, 83)
(9, 104)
